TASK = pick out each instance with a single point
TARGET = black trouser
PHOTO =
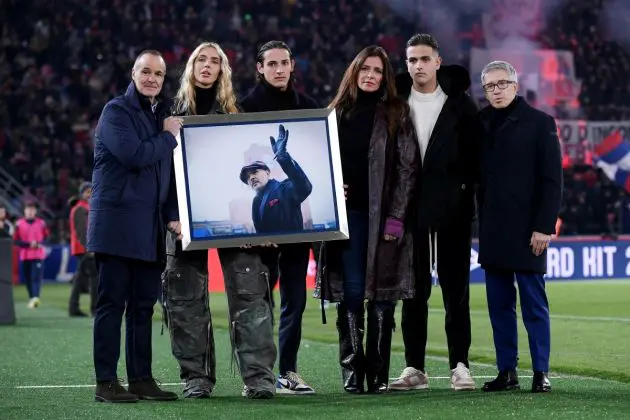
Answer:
(85, 277)
(290, 262)
(185, 300)
(453, 269)
(126, 287)
(32, 271)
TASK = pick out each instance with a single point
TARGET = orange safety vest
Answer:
(75, 246)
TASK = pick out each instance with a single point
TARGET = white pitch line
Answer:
(493, 376)
(436, 358)
(591, 318)
(488, 365)
(567, 317)
(77, 386)
(445, 359)
(179, 384)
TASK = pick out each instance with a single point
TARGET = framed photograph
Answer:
(261, 177)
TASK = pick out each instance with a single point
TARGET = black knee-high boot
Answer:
(350, 325)
(380, 324)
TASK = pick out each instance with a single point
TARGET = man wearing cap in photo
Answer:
(277, 205)
(85, 276)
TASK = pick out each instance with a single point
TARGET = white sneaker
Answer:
(292, 383)
(409, 379)
(34, 303)
(461, 379)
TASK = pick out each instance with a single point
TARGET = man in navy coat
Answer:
(519, 200)
(130, 181)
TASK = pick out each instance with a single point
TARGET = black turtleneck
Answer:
(264, 97)
(355, 132)
(204, 99)
(500, 115)
(280, 100)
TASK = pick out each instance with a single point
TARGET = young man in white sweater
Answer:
(445, 118)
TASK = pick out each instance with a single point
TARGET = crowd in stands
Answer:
(602, 65)
(59, 65)
(592, 203)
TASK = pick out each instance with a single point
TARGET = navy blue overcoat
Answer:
(130, 179)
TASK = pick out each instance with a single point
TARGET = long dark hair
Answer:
(346, 96)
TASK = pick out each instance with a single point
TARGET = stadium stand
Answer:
(58, 66)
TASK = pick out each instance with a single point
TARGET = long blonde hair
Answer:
(185, 98)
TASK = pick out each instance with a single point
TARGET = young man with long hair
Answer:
(275, 91)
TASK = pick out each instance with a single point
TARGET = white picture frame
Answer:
(223, 203)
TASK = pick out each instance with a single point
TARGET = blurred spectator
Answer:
(602, 65)
(6, 227)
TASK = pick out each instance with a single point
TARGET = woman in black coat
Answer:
(379, 155)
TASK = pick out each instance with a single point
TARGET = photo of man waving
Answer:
(277, 204)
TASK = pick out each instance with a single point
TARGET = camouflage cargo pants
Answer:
(185, 301)
(251, 317)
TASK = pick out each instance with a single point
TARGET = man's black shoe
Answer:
(79, 314)
(541, 382)
(505, 381)
(113, 392)
(149, 390)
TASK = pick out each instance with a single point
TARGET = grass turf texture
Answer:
(590, 337)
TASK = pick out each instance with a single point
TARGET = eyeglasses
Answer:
(502, 84)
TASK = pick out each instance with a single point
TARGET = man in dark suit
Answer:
(276, 91)
(277, 205)
(130, 183)
(519, 200)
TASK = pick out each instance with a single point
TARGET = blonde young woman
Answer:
(206, 88)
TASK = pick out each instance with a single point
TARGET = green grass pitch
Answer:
(46, 366)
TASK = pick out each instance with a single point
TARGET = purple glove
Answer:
(393, 227)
